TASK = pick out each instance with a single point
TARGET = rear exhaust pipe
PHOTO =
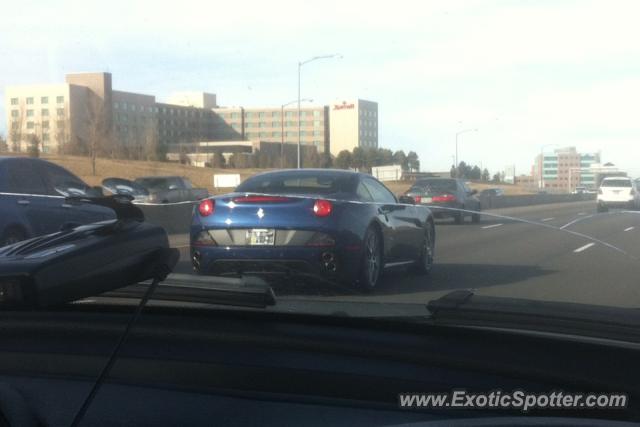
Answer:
(327, 257)
(329, 261)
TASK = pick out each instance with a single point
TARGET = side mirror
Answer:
(407, 200)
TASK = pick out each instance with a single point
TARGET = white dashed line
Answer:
(582, 213)
(575, 221)
(547, 219)
(584, 248)
(629, 229)
(491, 226)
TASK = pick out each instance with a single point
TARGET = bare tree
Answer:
(99, 139)
(34, 145)
(15, 130)
(3, 144)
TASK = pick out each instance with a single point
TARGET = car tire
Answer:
(12, 235)
(475, 218)
(371, 264)
(424, 264)
(602, 208)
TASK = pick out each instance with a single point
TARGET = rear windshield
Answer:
(616, 183)
(295, 184)
(435, 185)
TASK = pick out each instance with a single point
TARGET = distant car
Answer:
(156, 189)
(124, 186)
(580, 190)
(447, 198)
(32, 199)
(492, 192)
(618, 192)
(342, 226)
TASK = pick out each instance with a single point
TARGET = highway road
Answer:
(559, 252)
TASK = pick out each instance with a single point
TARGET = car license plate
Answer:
(262, 237)
(426, 200)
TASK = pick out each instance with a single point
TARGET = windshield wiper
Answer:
(464, 308)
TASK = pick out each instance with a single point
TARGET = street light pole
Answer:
(282, 128)
(300, 64)
(457, 135)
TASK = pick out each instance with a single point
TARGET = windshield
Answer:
(435, 185)
(427, 148)
(616, 183)
(294, 182)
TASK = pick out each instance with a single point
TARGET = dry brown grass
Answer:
(130, 169)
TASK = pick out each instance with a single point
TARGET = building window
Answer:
(235, 126)
(14, 101)
(59, 99)
(275, 114)
(45, 124)
(248, 125)
(29, 100)
(291, 124)
(60, 123)
(44, 112)
(317, 133)
(316, 113)
(316, 123)
(15, 125)
(264, 134)
(44, 100)
(29, 113)
(275, 124)
(261, 115)
(60, 111)
(116, 105)
(289, 114)
(303, 133)
(235, 115)
(248, 115)
(30, 125)
(262, 124)
(276, 134)
(14, 113)
(45, 137)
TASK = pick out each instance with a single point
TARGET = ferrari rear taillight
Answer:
(418, 199)
(322, 208)
(444, 198)
(207, 207)
(260, 199)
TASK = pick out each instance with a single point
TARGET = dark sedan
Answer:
(32, 199)
(447, 197)
(342, 226)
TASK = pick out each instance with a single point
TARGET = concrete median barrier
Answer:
(493, 202)
(174, 218)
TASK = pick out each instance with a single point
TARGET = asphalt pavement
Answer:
(558, 252)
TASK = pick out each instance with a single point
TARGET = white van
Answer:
(618, 191)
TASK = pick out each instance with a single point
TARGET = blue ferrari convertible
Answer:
(339, 225)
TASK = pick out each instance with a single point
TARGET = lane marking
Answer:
(581, 213)
(584, 248)
(491, 226)
(629, 229)
(547, 219)
(576, 220)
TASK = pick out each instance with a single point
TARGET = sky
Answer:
(525, 74)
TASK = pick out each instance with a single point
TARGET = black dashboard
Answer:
(196, 366)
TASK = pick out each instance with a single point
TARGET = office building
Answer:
(564, 169)
(72, 113)
(353, 124)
